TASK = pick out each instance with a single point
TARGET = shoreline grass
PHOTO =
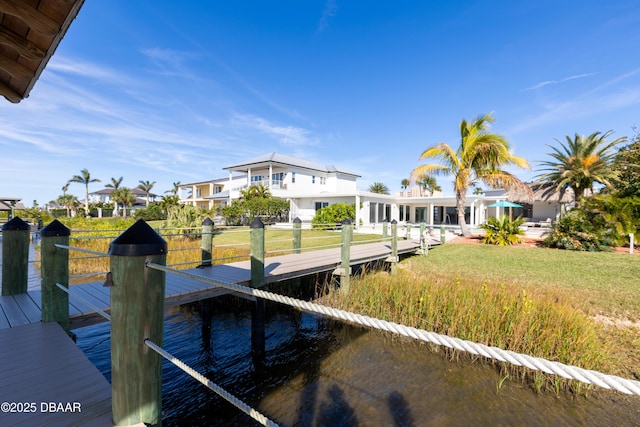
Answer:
(535, 301)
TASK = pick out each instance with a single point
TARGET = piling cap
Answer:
(55, 228)
(16, 224)
(256, 223)
(138, 240)
(346, 222)
(207, 221)
(394, 222)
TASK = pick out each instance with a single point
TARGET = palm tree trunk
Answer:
(86, 200)
(460, 199)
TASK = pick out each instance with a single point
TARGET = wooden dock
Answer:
(26, 308)
(48, 381)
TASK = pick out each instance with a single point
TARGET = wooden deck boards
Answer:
(41, 364)
(24, 309)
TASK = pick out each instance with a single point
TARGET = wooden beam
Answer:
(36, 20)
(16, 69)
(10, 94)
(23, 46)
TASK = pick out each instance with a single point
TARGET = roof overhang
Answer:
(30, 31)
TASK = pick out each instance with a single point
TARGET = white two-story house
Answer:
(310, 186)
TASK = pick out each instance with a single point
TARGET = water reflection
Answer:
(319, 372)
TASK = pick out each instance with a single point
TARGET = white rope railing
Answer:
(259, 417)
(87, 251)
(534, 363)
(85, 302)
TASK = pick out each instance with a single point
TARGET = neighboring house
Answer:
(104, 196)
(310, 186)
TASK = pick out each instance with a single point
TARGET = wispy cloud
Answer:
(329, 11)
(596, 101)
(553, 82)
(287, 135)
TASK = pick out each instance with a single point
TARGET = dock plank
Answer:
(57, 371)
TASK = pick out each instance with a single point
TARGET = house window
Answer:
(257, 178)
(401, 212)
(320, 205)
(313, 179)
(407, 211)
(293, 177)
(216, 190)
(198, 192)
(323, 180)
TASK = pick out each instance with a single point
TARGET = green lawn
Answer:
(596, 282)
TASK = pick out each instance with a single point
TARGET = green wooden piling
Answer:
(408, 232)
(394, 247)
(257, 281)
(54, 268)
(385, 230)
(207, 242)
(137, 313)
(443, 235)
(15, 257)
(345, 256)
(297, 235)
(424, 249)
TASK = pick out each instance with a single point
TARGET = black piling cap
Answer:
(256, 223)
(394, 222)
(138, 240)
(207, 221)
(16, 224)
(297, 220)
(346, 221)
(55, 228)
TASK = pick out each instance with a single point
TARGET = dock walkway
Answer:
(48, 381)
(24, 309)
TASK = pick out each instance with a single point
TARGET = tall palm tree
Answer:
(115, 184)
(175, 189)
(146, 186)
(481, 156)
(583, 161)
(65, 188)
(84, 178)
(428, 183)
(379, 187)
(404, 184)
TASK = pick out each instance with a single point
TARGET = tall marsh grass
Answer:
(486, 313)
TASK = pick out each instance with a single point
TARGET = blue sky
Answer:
(171, 91)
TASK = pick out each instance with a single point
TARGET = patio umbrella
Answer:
(505, 204)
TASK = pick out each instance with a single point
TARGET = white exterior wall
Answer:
(305, 208)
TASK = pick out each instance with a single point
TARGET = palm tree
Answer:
(65, 188)
(68, 201)
(146, 186)
(580, 163)
(255, 192)
(125, 196)
(115, 184)
(379, 187)
(84, 178)
(404, 184)
(480, 157)
(175, 189)
(428, 183)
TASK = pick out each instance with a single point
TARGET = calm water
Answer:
(319, 372)
(324, 373)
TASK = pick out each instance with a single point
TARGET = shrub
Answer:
(334, 214)
(575, 231)
(503, 231)
(151, 213)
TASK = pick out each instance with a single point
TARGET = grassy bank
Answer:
(529, 300)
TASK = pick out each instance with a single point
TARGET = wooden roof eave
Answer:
(25, 50)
